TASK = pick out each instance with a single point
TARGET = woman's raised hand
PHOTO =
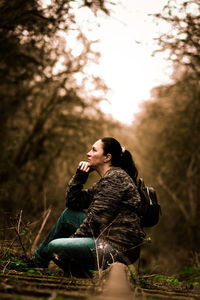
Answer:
(84, 166)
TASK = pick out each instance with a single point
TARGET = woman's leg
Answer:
(73, 253)
(65, 226)
(82, 253)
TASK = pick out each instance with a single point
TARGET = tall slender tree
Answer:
(47, 115)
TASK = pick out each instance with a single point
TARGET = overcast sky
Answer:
(126, 43)
(126, 64)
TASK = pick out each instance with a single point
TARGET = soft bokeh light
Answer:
(126, 62)
(126, 43)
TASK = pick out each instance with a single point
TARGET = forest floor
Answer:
(18, 282)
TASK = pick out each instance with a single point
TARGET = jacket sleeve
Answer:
(103, 210)
(78, 198)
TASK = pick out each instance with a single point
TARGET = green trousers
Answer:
(69, 253)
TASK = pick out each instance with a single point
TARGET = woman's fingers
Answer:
(84, 166)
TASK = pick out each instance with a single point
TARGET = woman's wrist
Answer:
(81, 176)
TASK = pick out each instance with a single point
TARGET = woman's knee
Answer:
(73, 217)
(73, 249)
(53, 246)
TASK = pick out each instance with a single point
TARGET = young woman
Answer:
(111, 229)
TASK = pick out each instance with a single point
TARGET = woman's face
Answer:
(96, 157)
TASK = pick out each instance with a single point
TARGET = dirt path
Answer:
(15, 285)
(115, 285)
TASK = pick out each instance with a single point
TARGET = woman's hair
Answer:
(120, 157)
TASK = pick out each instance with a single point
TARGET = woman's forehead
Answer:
(97, 144)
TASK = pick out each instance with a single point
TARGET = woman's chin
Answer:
(91, 166)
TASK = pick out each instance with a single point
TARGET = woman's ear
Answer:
(108, 158)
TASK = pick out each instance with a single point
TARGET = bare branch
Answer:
(47, 213)
(174, 198)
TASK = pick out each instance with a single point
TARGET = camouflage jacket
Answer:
(112, 203)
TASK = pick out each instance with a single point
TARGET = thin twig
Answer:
(20, 240)
(17, 230)
(19, 222)
(45, 199)
(4, 269)
(96, 249)
(41, 228)
(98, 260)
(12, 242)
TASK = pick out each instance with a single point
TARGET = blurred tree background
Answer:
(166, 137)
(50, 116)
(49, 106)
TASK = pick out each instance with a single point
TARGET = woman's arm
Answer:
(103, 210)
(78, 198)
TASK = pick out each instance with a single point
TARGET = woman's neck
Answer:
(103, 169)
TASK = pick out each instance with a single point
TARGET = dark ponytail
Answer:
(120, 157)
(128, 165)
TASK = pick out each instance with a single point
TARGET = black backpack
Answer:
(152, 209)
